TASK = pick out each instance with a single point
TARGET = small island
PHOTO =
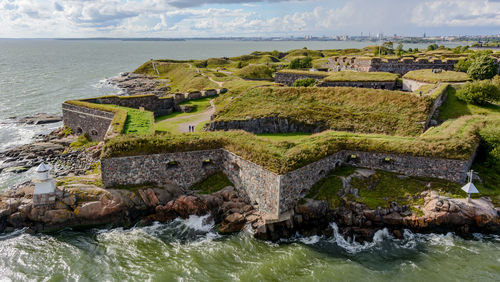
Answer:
(282, 142)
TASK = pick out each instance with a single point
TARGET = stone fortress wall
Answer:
(274, 195)
(400, 66)
(95, 123)
(83, 120)
(266, 125)
(289, 78)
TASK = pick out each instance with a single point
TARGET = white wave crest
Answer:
(351, 245)
(198, 223)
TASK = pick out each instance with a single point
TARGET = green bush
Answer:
(479, 92)
(301, 63)
(241, 64)
(483, 67)
(432, 47)
(305, 82)
(255, 72)
(462, 65)
(490, 140)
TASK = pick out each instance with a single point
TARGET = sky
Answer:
(248, 18)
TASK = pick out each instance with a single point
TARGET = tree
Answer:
(463, 65)
(479, 92)
(483, 67)
(432, 47)
(306, 82)
(399, 49)
(301, 63)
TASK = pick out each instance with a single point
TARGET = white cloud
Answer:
(457, 13)
(68, 18)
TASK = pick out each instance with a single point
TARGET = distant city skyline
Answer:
(246, 18)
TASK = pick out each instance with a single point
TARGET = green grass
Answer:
(490, 182)
(453, 108)
(82, 142)
(361, 76)
(200, 105)
(338, 108)
(212, 184)
(182, 77)
(255, 72)
(427, 75)
(454, 139)
(327, 189)
(137, 122)
(383, 188)
(290, 137)
(319, 74)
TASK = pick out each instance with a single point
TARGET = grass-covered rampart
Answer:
(352, 76)
(339, 108)
(456, 139)
(427, 75)
(183, 76)
(119, 119)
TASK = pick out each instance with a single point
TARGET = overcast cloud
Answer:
(205, 18)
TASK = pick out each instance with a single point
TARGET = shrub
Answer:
(490, 140)
(432, 47)
(301, 63)
(462, 65)
(305, 82)
(241, 64)
(483, 67)
(255, 72)
(479, 92)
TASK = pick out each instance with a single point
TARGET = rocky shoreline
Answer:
(81, 203)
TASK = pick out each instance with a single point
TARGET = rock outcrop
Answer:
(84, 206)
(52, 148)
(134, 84)
(437, 215)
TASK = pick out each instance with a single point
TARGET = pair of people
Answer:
(191, 128)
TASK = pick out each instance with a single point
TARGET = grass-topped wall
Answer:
(341, 108)
(361, 76)
(430, 76)
(456, 139)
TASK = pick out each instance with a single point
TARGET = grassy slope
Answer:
(137, 122)
(200, 105)
(454, 139)
(380, 189)
(340, 108)
(212, 184)
(255, 72)
(361, 76)
(182, 77)
(454, 109)
(427, 75)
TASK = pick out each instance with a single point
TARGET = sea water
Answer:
(38, 75)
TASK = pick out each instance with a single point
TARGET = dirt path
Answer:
(203, 117)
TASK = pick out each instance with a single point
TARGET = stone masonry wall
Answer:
(88, 121)
(266, 125)
(412, 85)
(182, 169)
(297, 183)
(260, 184)
(160, 106)
(389, 85)
(401, 66)
(289, 78)
(275, 195)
